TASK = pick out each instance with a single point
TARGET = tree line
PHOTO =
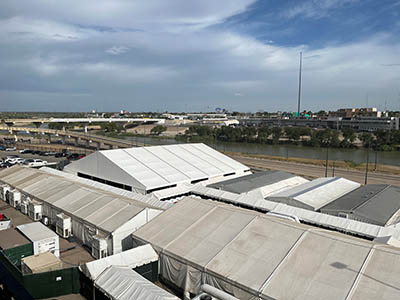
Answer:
(380, 140)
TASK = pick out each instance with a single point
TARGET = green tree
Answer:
(158, 129)
(367, 139)
(349, 137)
(276, 134)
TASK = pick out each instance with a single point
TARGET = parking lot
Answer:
(33, 159)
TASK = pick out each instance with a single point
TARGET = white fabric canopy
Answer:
(131, 258)
(253, 256)
(122, 283)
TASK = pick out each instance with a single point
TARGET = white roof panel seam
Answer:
(207, 160)
(181, 158)
(111, 216)
(146, 166)
(210, 155)
(116, 200)
(229, 243)
(359, 275)
(291, 250)
(202, 161)
(188, 228)
(84, 206)
(181, 172)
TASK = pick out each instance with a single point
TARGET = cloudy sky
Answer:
(192, 55)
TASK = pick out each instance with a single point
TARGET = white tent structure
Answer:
(122, 283)
(95, 214)
(254, 256)
(315, 194)
(149, 169)
(131, 258)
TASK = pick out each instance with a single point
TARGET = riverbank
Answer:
(348, 165)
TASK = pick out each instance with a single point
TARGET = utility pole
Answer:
(326, 163)
(366, 167)
(298, 100)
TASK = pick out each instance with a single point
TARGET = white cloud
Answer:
(117, 50)
(166, 65)
(316, 9)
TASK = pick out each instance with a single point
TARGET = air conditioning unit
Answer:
(63, 225)
(24, 207)
(14, 198)
(99, 247)
(45, 221)
(35, 210)
(3, 191)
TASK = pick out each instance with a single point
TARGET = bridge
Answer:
(78, 137)
(11, 122)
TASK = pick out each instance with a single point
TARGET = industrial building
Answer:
(315, 194)
(149, 169)
(102, 220)
(373, 203)
(255, 256)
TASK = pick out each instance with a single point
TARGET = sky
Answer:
(191, 55)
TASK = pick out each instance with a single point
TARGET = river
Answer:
(355, 155)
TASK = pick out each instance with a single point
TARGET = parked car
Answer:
(36, 152)
(10, 158)
(6, 164)
(26, 151)
(35, 162)
(16, 160)
(73, 156)
(11, 149)
(61, 154)
(2, 148)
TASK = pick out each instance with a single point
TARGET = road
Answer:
(314, 171)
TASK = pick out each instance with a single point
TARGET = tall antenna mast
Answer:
(298, 101)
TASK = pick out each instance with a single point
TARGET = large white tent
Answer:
(93, 212)
(254, 256)
(148, 169)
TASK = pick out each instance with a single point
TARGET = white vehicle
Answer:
(16, 160)
(35, 162)
(11, 158)
(11, 149)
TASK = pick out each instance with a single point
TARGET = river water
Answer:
(355, 155)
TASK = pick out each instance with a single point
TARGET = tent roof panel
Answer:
(251, 182)
(93, 205)
(123, 283)
(268, 257)
(209, 235)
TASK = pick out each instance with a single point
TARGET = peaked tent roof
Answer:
(132, 258)
(317, 193)
(205, 242)
(376, 202)
(122, 283)
(104, 210)
(155, 167)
